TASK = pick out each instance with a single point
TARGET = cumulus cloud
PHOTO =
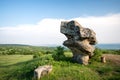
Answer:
(106, 27)
(47, 31)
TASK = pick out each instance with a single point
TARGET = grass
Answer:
(71, 72)
(11, 63)
(21, 67)
(68, 54)
(6, 60)
(62, 70)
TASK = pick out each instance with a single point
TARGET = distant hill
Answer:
(14, 45)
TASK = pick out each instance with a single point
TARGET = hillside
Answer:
(21, 67)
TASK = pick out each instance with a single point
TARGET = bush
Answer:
(37, 55)
(59, 53)
(97, 55)
(48, 52)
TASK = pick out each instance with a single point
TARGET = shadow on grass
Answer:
(19, 63)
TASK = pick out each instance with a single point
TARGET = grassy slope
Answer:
(20, 67)
(62, 70)
(10, 63)
(6, 60)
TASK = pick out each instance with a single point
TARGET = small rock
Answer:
(42, 70)
(103, 60)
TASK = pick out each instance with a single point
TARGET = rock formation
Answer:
(80, 40)
(41, 71)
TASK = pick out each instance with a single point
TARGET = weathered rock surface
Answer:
(79, 39)
(42, 70)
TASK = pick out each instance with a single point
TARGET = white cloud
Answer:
(47, 31)
(106, 27)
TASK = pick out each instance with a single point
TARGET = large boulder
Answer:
(79, 39)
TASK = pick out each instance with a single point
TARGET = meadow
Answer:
(17, 62)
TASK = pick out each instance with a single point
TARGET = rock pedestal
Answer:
(79, 39)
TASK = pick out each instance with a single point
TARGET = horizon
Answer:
(37, 22)
(100, 46)
(60, 44)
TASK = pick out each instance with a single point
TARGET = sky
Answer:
(37, 22)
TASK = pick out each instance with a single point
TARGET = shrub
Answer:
(58, 53)
(97, 55)
(37, 55)
(48, 52)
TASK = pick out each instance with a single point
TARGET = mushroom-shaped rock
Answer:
(79, 39)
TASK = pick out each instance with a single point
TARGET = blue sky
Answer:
(36, 21)
(14, 12)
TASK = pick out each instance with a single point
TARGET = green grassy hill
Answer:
(18, 67)
(21, 67)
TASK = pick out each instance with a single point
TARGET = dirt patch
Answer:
(114, 59)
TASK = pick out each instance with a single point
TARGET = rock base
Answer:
(81, 59)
